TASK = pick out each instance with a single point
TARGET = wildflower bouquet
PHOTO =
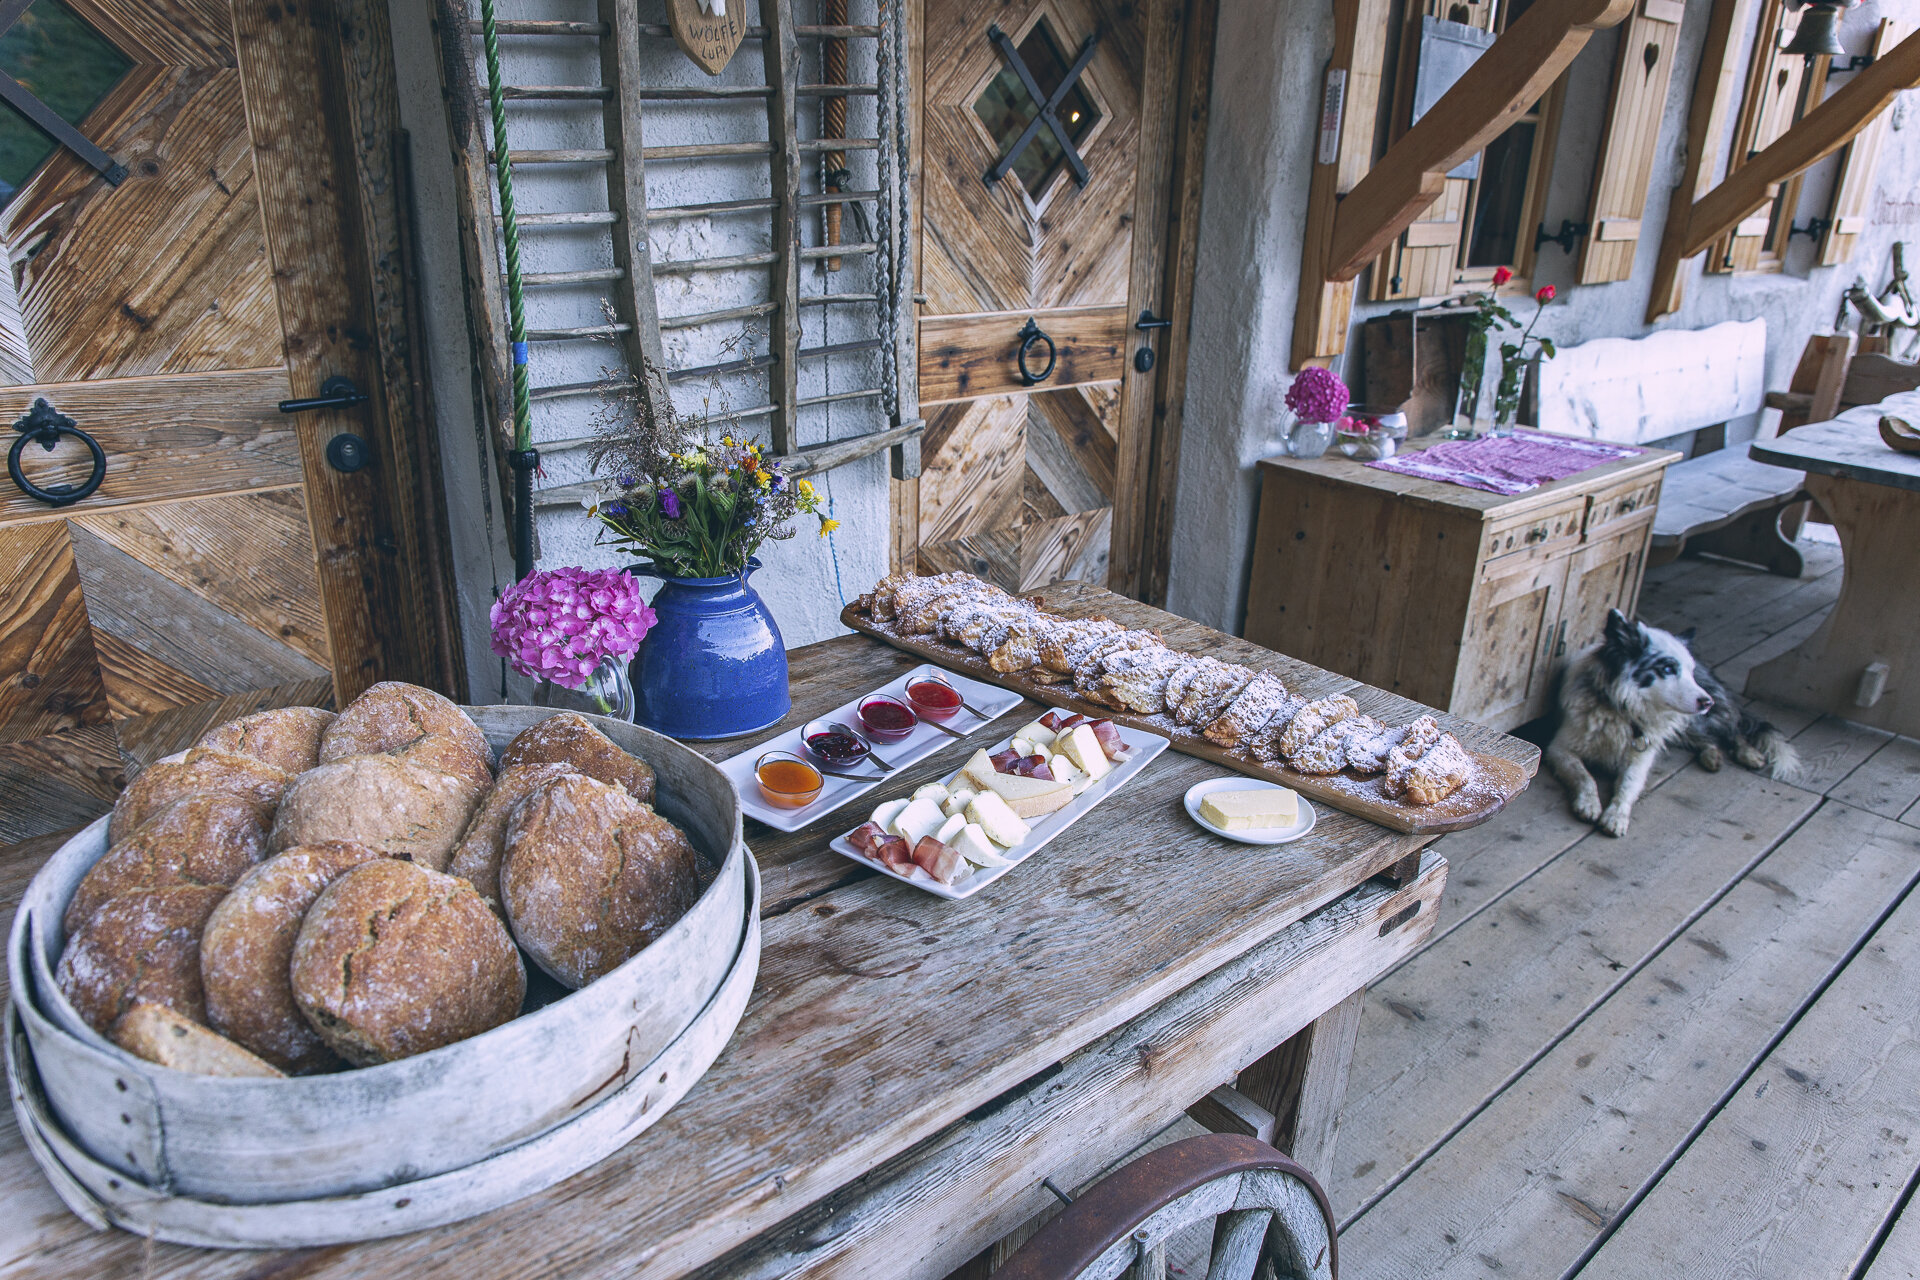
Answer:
(696, 507)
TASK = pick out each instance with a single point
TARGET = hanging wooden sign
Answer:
(708, 31)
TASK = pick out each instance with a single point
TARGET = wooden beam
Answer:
(1820, 133)
(1513, 74)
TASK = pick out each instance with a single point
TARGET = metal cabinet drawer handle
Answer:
(1028, 336)
(44, 425)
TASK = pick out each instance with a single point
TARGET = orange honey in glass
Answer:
(787, 781)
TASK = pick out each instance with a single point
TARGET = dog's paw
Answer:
(1586, 805)
(1751, 758)
(1614, 821)
(1711, 759)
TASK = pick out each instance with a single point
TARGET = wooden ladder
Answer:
(637, 324)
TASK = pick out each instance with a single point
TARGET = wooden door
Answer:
(222, 565)
(1022, 480)
(1506, 661)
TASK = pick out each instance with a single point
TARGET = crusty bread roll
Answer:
(394, 960)
(201, 840)
(288, 737)
(476, 859)
(196, 772)
(571, 738)
(398, 808)
(141, 947)
(592, 876)
(246, 953)
(411, 724)
(158, 1034)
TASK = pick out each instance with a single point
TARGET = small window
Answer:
(1780, 88)
(1006, 109)
(67, 65)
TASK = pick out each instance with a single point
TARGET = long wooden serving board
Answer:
(1497, 779)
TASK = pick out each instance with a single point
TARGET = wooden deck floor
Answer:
(1692, 1051)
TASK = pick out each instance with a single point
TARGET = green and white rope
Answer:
(509, 235)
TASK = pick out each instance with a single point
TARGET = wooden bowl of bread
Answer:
(314, 959)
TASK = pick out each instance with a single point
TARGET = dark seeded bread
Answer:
(201, 840)
(142, 947)
(286, 737)
(399, 808)
(571, 738)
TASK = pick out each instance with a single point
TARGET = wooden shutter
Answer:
(1777, 85)
(1853, 187)
(1641, 72)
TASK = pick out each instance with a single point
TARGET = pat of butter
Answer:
(1251, 810)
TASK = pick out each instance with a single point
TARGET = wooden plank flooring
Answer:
(1689, 1051)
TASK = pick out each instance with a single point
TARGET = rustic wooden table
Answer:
(910, 1068)
(1863, 664)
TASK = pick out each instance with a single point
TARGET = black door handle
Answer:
(337, 392)
(1148, 320)
(1028, 337)
(44, 425)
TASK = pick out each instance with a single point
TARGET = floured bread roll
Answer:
(412, 724)
(399, 808)
(571, 738)
(140, 948)
(476, 859)
(201, 840)
(196, 772)
(246, 954)
(286, 737)
(395, 960)
(592, 876)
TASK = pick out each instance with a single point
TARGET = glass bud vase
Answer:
(1506, 396)
(607, 692)
(1473, 366)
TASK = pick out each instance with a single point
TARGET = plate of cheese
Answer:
(954, 837)
(1250, 811)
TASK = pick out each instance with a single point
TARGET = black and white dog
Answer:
(1632, 694)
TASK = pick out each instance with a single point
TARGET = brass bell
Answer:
(1819, 30)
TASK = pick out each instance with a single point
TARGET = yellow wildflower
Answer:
(828, 526)
(764, 479)
(806, 490)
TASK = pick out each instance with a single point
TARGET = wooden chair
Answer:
(1263, 1207)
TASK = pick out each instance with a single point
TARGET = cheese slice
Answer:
(933, 791)
(921, 817)
(884, 815)
(1082, 746)
(997, 822)
(974, 846)
(1037, 734)
(953, 826)
(956, 802)
(1261, 809)
(975, 772)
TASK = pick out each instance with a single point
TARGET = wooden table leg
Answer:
(1876, 620)
(1304, 1084)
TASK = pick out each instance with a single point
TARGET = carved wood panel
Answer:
(1019, 485)
(163, 315)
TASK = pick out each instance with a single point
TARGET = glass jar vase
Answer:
(607, 692)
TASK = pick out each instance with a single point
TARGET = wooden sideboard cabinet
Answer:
(1450, 596)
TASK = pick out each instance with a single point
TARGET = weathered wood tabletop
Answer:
(882, 1016)
(1847, 449)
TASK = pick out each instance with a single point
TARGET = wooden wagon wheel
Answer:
(1270, 1218)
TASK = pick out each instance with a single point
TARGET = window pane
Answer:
(63, 62)
(1500, 203)
(1006, 108)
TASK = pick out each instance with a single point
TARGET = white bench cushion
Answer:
(1632, 390)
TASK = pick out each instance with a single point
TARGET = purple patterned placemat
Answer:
(1506, 464)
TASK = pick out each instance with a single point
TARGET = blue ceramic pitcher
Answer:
(714, 665)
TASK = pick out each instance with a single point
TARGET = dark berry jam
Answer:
(887, 718)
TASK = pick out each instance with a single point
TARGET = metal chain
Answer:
(509, 234)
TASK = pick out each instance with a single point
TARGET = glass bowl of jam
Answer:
(787, 781)
(835, 747)
(887, 718)
(933, 698)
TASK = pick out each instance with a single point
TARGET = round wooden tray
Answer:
(409, 1144)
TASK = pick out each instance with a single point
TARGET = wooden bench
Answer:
(1669, 384)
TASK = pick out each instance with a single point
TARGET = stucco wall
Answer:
(806, 579)
(1267, 71)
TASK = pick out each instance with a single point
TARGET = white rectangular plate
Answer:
(916, 746)
(1141, 748)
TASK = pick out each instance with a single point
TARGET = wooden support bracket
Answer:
(1696, 220)
(1352, 229)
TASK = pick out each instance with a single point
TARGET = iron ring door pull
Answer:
(1028, 336)
(44, 425)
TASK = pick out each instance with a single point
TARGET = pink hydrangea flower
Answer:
(559, 625)
(1317, 395)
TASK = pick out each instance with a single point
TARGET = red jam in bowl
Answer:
(887, 718)
(836, 748)
(933, 699)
